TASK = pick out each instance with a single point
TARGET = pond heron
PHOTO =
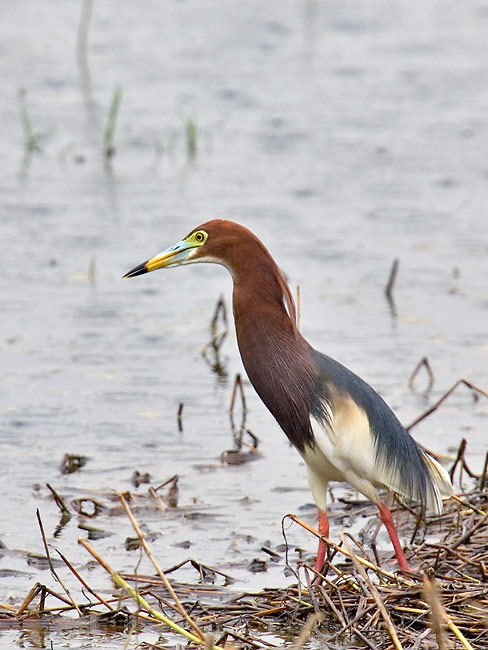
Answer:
(341, 427)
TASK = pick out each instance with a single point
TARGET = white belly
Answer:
(343, 452)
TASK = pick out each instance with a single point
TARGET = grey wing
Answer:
(363, 438)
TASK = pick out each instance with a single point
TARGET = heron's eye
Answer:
(199, 237)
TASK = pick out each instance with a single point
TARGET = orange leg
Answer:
(323, 530)
(387, 519)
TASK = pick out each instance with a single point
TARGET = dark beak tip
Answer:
(137, 270)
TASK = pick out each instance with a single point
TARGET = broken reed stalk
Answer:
(199, 567)
(238, 385)
(83, 582)
(217, 337)
(29, 598)
(437, 614)
(374, 592)
(423, 363)
(391, 280)
(219, 309)
(179, 417)
(59, 500)
(159, 502)
(51, 567)
(439, 618)
(161, 574)
(120, 582)
(435, 406)
(460, 459)
(173, 479)
(109, 148)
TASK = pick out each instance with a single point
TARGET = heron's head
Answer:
(240, 251)
(217, 241)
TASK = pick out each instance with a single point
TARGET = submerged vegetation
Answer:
(31, 141)
(109, 147)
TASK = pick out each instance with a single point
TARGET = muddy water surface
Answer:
(344, 135)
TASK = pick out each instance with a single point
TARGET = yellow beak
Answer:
(172, 256)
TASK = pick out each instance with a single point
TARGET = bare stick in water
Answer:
(51, 567)
(391, 279)
(238, 386)
(435, 406)
(423, 363)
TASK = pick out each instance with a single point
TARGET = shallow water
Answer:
(344, 135)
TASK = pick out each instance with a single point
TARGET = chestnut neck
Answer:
(276, 357)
